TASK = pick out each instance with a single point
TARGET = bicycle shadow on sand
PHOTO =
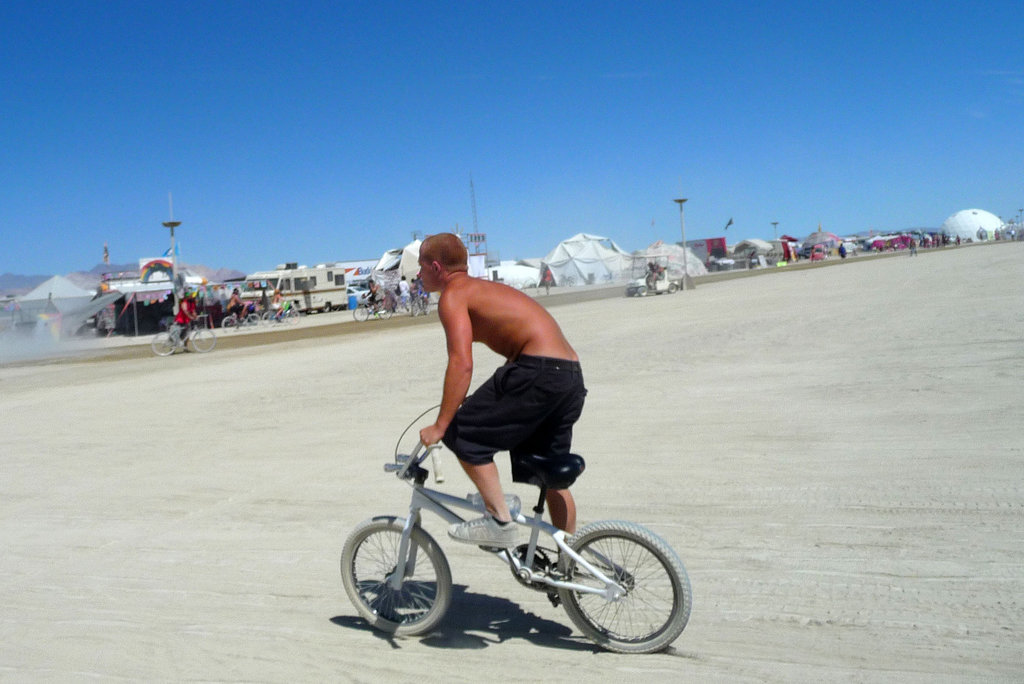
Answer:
(475, 621)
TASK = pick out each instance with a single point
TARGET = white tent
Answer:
(752, 246)
(585, 259)
(670, 256)
(396, 263)
(57, 289)
(515, 274)
(973, 224)
(60, 304)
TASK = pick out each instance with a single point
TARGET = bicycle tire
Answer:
(252, 319)
(360, 313)
(229, 322)
(203, 340)
(386, 313)
(291, 317)
(162, 344)
(656, 606)
(369, 556)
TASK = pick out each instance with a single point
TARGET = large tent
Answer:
(59, 304)
(972, 224)
(586, 259)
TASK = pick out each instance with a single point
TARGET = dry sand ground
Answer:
(835, 454)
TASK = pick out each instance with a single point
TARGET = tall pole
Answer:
(172, 224)
(775, 229)
(682, 226)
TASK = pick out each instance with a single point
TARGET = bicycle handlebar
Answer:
(418, 455)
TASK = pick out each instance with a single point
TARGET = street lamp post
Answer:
(174, 262)
(682, 226)
(775, 229)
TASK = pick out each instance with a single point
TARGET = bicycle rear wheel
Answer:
(203, 340)
(369, 557)
(656, 606)
(162, 344)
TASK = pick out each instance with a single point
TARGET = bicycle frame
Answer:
(441, 504)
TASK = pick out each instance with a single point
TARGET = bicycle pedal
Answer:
(492, 549)
(554, 598)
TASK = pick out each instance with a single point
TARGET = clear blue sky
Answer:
(320, 131)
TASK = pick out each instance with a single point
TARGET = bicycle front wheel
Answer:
(368, 559)
(656, 606)
(203, 340)
(360, 313)
(229, 321)
(162, 344)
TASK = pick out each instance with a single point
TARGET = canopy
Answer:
(396, 263)
(752, 246)
(585, 259)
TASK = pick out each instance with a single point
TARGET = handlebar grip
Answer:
(438, 475)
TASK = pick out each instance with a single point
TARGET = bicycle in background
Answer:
(201, 338)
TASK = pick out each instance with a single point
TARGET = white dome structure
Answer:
(973, 224)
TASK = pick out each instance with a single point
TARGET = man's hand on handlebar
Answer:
(431, 434)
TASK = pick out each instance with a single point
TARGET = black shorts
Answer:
(528, 406)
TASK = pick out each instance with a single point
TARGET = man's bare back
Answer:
(509, 322)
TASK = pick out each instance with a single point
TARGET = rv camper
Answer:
(320, 288)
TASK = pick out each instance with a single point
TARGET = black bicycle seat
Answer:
(553, 473)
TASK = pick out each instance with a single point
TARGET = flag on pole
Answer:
(106, 254)
(728, 224)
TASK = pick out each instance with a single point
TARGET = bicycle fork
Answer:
(405, 564)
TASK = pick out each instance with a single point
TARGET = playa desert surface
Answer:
(835, 453)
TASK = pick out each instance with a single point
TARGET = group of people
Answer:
(402, 295)
(237, 306)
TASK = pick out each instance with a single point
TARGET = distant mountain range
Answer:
(14, 284)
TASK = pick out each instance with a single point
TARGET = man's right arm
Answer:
(458, 329)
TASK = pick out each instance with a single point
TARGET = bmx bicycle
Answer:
(622, 585)
(177, 337)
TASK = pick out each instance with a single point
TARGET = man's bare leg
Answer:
(563, 509)
(485, 477)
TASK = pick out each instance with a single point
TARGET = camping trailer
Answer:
(320, 288)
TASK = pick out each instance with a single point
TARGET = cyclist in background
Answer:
(185, 316)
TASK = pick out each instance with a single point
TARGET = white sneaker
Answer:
(485, 531)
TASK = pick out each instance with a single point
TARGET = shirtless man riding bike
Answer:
(530, 404)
